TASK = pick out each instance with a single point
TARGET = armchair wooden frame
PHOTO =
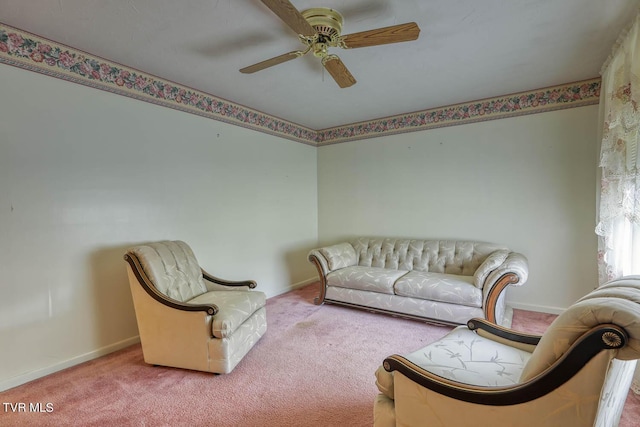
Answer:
(148, 286)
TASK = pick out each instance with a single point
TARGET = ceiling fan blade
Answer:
(291, 16)
(393, 34)
(270, 62)
(338, 71)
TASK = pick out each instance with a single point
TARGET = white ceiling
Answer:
(467, 49)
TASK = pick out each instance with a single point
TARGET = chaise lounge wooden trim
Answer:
(479, 325)
(587, 347)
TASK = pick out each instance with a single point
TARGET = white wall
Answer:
(526, 182)
(84, 174)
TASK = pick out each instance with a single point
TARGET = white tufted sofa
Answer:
(443, 281)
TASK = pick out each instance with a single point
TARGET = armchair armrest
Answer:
(588, 346)
(215, 283)
(513, 271)
(149, 287)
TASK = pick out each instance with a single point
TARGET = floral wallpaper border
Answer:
(30, 52)
(570, 95)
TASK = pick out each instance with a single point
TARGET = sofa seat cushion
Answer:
(464, 356)
(234, 308)
(365, 278)
(439, 287)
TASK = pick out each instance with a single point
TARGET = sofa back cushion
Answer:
(172, 268)
(437, 256)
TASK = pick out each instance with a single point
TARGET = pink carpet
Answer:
(314, 367)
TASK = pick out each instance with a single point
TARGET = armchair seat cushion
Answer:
(449, 288)
(234, 309)
(373, 279)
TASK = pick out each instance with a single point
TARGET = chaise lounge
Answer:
(576, 374)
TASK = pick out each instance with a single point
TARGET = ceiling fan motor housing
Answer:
(328, 25)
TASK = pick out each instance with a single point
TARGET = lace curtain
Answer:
(619, 210)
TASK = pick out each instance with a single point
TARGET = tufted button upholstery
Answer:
(172, 268)
(436, 256)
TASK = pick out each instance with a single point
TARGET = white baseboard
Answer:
(295, 286)
(39, 373)
(304, 283)
(534, 307)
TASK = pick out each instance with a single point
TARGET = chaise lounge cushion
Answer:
(463, 356)
(234, 308)
(365, 278)
(439, 287)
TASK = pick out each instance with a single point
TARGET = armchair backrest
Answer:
(617, 303)
(172, 268)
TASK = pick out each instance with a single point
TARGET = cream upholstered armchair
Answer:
(188, 318)
(576, 374)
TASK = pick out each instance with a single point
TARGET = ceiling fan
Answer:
(320, 28)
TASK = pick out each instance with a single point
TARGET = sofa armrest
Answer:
(513, 271)
(321, 263)
(335, 257)
(493, 261)
(331, 258)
